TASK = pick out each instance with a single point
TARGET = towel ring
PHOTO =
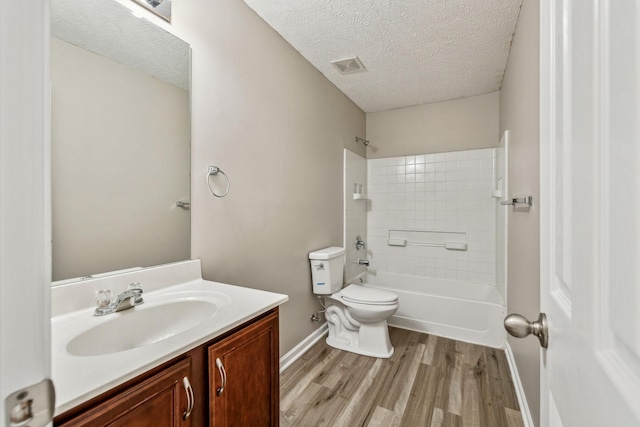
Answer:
(213, 170)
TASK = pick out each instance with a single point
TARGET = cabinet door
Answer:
(248, 359)
(159, 401)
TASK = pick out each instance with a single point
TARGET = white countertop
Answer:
(80, 378)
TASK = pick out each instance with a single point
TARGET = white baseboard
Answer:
(304, 345)
(522, 398)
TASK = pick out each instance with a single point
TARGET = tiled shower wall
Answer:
(449, 192)
(355, 170)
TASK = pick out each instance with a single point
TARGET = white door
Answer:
(25, 232)
(590, 222)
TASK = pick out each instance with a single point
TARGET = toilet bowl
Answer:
(360, 325)
(356, 315)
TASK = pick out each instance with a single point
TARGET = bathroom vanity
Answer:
(193, 352)
(219, 366)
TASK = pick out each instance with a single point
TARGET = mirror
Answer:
(120, 140)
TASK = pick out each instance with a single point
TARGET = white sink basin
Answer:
(90, 355)
(142, 325)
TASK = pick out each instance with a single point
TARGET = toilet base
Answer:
(369, 340)
(341, 345)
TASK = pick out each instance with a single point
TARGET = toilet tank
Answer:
(327, 267)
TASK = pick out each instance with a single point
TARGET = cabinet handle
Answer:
(190, 398)
(223, 375)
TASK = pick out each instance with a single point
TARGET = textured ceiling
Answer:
(111, 30)
(415, 51)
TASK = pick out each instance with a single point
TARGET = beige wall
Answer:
(277, 128)
(114, 188)
(519, 104)
(460, 124)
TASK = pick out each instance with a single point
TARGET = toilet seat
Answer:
(359, 294)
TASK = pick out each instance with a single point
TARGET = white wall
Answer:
(120, 161)
(519, 113)
(355, 213)
(444, 192)
(460, 124)
(277, 127)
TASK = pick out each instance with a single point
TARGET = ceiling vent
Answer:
(349, 65)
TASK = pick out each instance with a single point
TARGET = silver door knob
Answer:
(518, 326)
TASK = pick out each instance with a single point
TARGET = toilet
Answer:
(357, 315)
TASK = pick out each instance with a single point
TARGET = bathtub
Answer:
(453, 309)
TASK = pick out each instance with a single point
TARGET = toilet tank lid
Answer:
(327, 253)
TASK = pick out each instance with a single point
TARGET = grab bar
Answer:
(452, 246)
(450, 240)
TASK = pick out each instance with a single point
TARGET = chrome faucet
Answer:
(363, 262)
(360, 243)
(129, 298)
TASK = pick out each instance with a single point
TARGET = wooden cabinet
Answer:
(160, 397)
(159, 401)
(244, 377)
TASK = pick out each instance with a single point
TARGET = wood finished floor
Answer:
(429, 381)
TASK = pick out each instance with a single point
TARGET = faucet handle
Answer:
(135, 286)
(137, 291)
(103, 298)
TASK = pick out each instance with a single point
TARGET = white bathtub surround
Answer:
(444, 192)
(355, 211)
(79, 378)
(453, 309)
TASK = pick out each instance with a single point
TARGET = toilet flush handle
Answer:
(320, 266)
